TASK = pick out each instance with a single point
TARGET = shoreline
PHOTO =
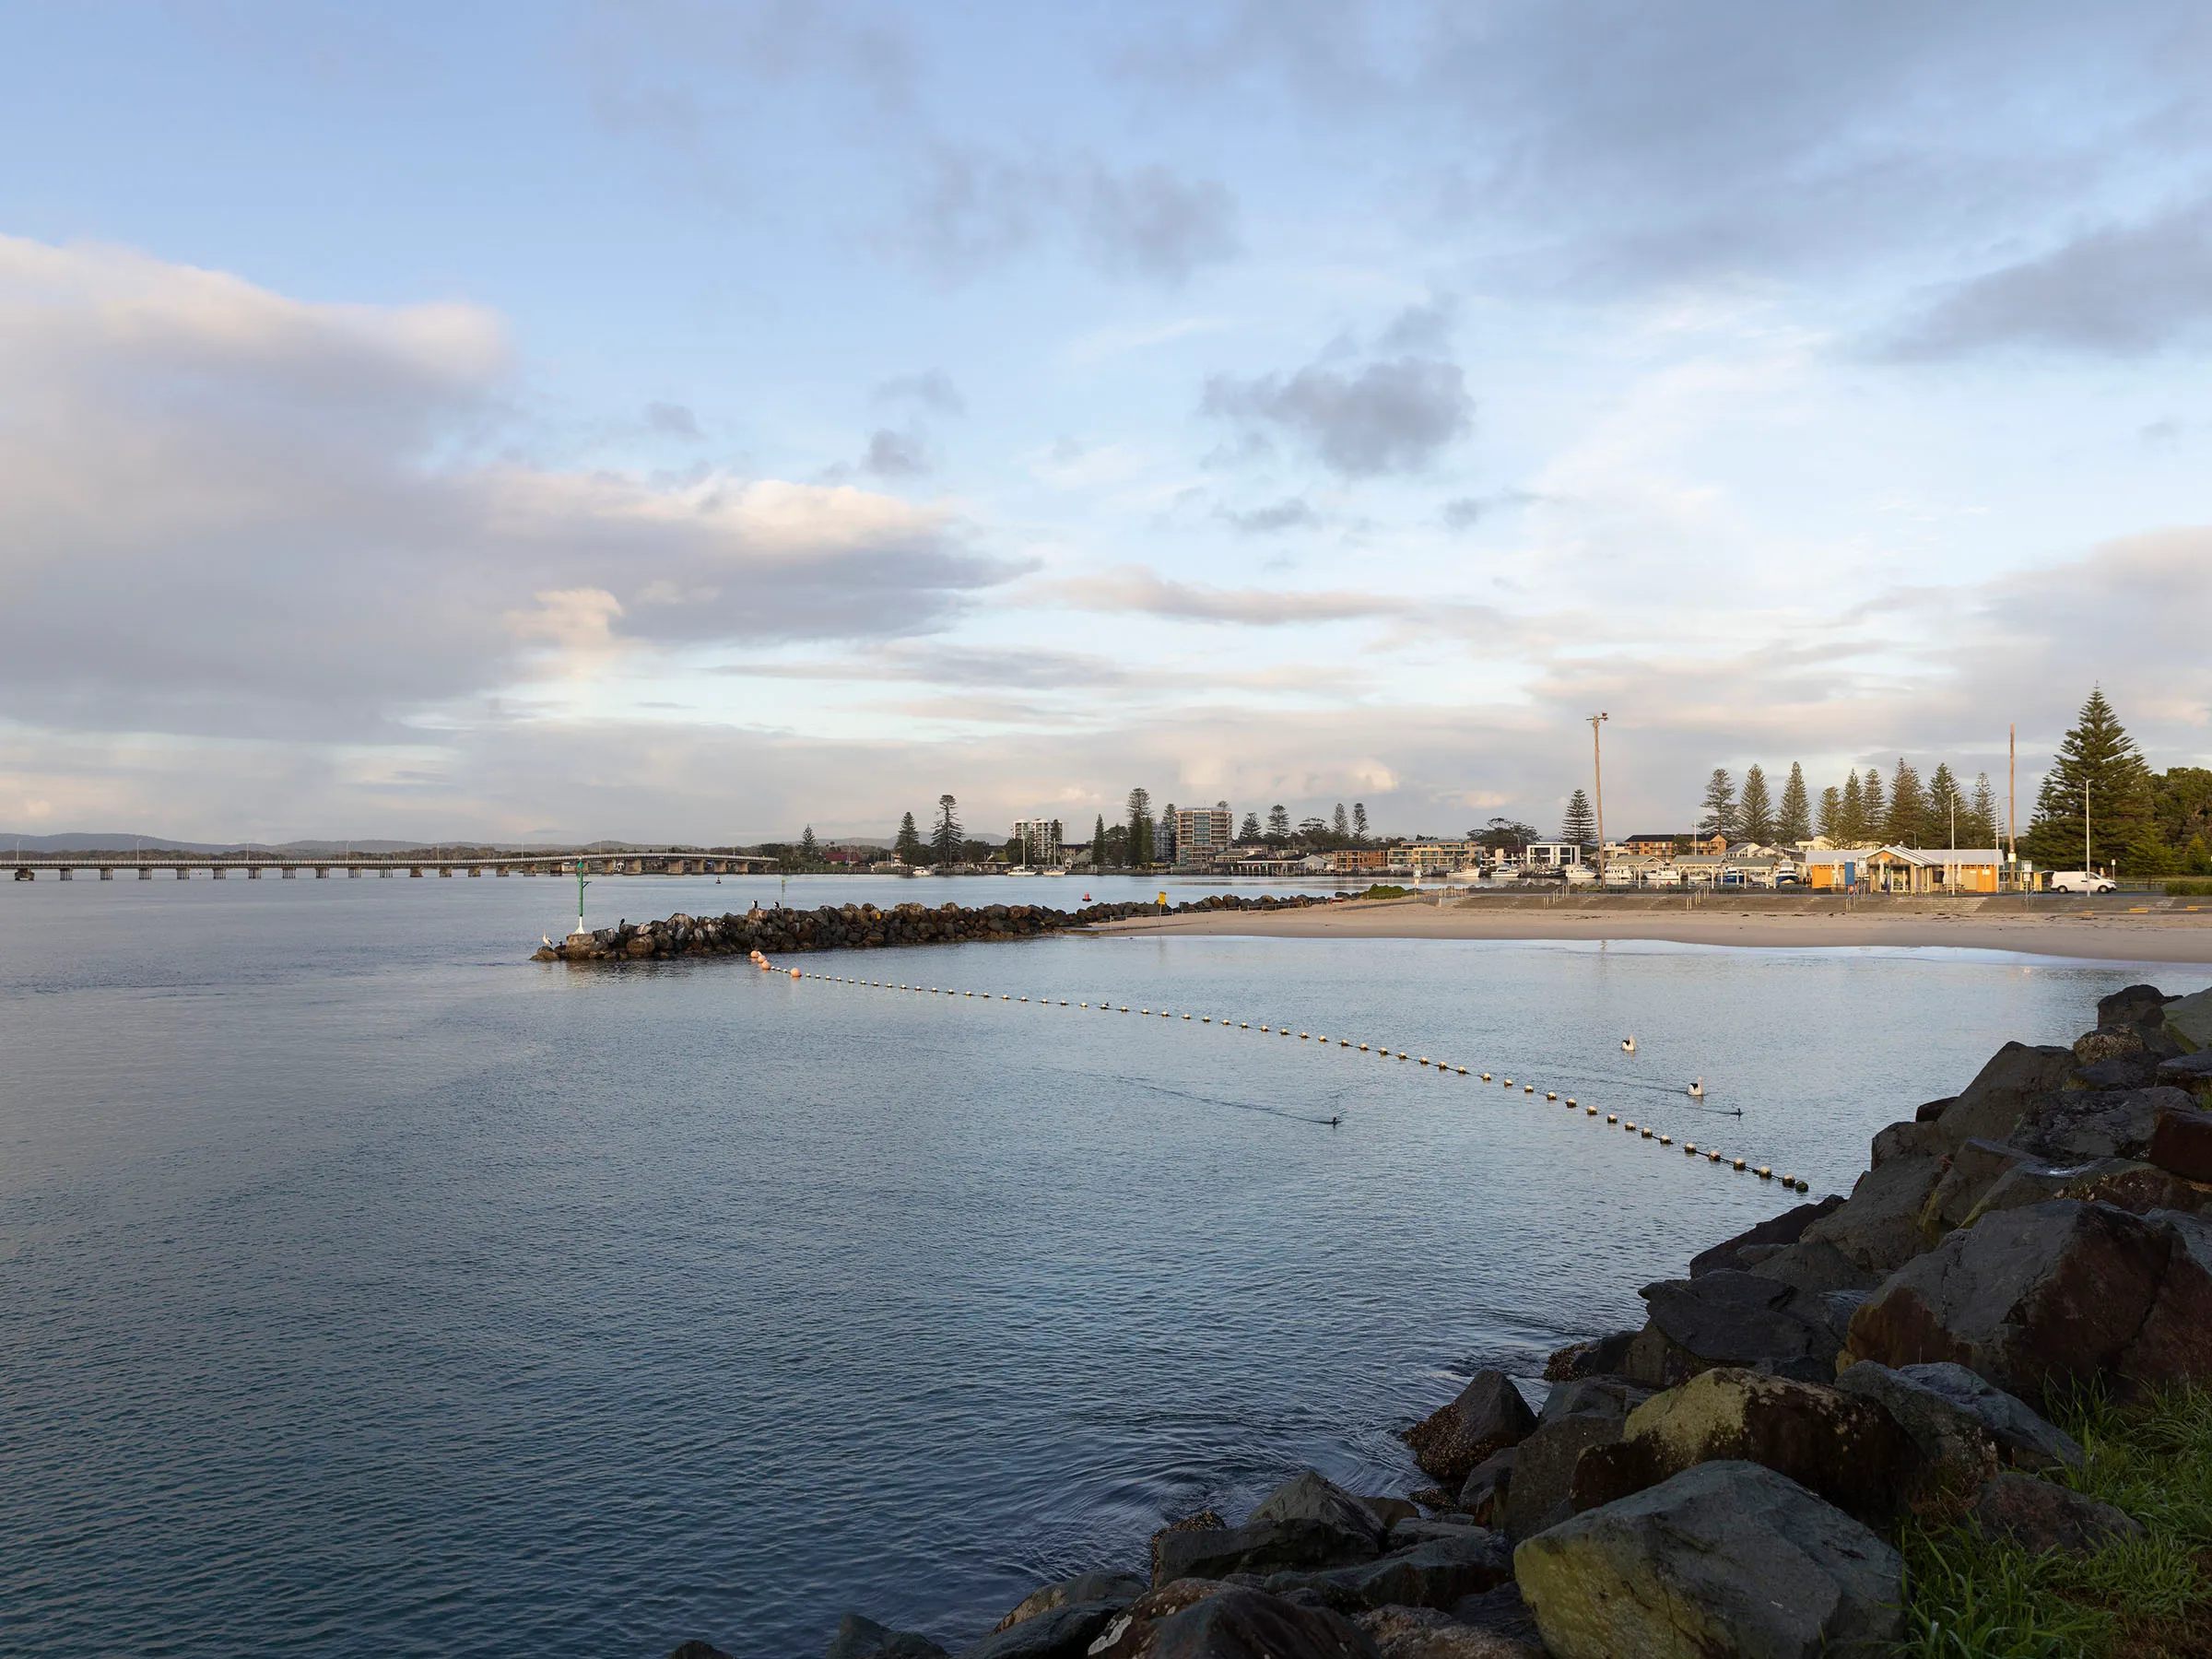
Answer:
(2180, 937)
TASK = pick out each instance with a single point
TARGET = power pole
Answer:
(2012, 798)
(1598, 771)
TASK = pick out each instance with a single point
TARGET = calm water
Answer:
(367, 1289)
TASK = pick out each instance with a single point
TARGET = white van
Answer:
(2081, 881)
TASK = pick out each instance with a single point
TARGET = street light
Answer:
(1597, 768)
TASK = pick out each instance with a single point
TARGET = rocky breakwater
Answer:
(1728, 1479)
(864, 927)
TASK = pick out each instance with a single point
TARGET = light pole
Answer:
(2085, 826)
(580, 885)
(1598, 777)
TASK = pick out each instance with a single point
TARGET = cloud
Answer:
(1388, 416)
(1136, 588)
(225, 511)
(895, 455)
(1290, 514)
(933, 389)
(2119, 290)
(1463, 512)
(671, 420)
(1149, 222)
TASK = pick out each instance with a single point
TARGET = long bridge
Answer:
(288, 866)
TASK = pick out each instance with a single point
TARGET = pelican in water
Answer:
(1628, 1045)
(1697, 1090)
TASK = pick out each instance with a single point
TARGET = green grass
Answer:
(1971, 1597)
(2189, 889)
(1385, 890)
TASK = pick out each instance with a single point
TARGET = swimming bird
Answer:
(1335, 1120)
(1697, 1090)
(1628, 1045)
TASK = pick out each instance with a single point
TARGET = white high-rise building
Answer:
(1202, 834)
(1040, 839)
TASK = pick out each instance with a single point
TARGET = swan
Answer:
(1697, 1090)
(1628, 1045)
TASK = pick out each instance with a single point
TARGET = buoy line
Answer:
(1712, 1155)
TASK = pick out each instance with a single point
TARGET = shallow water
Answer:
(367, 1289)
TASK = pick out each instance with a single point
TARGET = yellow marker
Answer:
(1666, 1140)
(1463, 1071)
(1486, 1077)
(1552, 1094)
(1609, 1117)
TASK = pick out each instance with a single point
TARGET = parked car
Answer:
(2082, 881)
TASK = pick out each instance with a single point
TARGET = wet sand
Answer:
(2161, 934)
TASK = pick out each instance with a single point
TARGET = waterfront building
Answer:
(1550, 856)
(1202, 834)
(1040, 839)
(1650, 846)
(1907, 869)
(1439, 858)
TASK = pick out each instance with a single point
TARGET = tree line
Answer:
(2143, 822)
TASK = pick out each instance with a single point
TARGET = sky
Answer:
(689, 422)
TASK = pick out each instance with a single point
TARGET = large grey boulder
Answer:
(1436, 1573)
(859, 1638)
(1813, 1265)
(1843, 1446)
(1062, 1632)
(1424, 1633)
(2041, 1517)
(1878, 1227)
(1084, 1587)
(2137, 1006)
(1963, 1428)
(2077, 1126)
(1482, 1494)
(1239, 1623)
(1599, 1357)
(2188, 1020)
(1988, 1108)
(2190, 1073)
(2174, 1345)
(1975, 1167)
(1489, 1415)
(1724, 1560)
(1776, 1231)
(2137, 1187)
(1577, 1417)
(2031, 1298)
(2181, 1144)
(1730, 1317)
(1308, 1522)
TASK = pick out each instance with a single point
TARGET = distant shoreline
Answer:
(2181, 936)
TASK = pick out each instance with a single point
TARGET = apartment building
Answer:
(1202, 834)
(1040, 840)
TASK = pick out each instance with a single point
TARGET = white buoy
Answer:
(1628, 1045)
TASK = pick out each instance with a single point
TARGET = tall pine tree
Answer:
(1871, 803)
(2098, 756)
(1719, 815)
(1755, 807)
(1908, 807)
(1360, 820)
(1979, 824)
(1795, 823)
(1946, 816)
(1140, 828)
(1831, 812)
(1578, 826)
(1249, 831)
(1097, 844)
(945, 839)
(906, 846)
(1851, 821)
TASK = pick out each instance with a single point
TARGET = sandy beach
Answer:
(2158, 931)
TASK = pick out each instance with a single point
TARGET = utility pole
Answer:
(1598, 771)
(2012, 799)
(2085, 826)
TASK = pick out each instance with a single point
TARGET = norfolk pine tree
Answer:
(1871, 803)
(1579, 828)
(1981, 818)
(1850, 820)
(1908, 807)
(1719, 816)
(1755, 808)
(945, 839)
(1796, 821)
(1831, 812)
(2097, 752)
(906, 846)
(1947, 813)
(1140, 828)
(1097, 845)
(1359, 820)
(1249, 831)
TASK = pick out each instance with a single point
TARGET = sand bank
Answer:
(2162, 932)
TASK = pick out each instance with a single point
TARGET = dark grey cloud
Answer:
(1292, 512)
(1152, 222)
(895, 455)
(2121, 289)
(933, 389)
(1386, 417)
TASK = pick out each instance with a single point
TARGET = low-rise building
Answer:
(1650, 846)
(1438, 858)
(1907, 869)
(1550, 856)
